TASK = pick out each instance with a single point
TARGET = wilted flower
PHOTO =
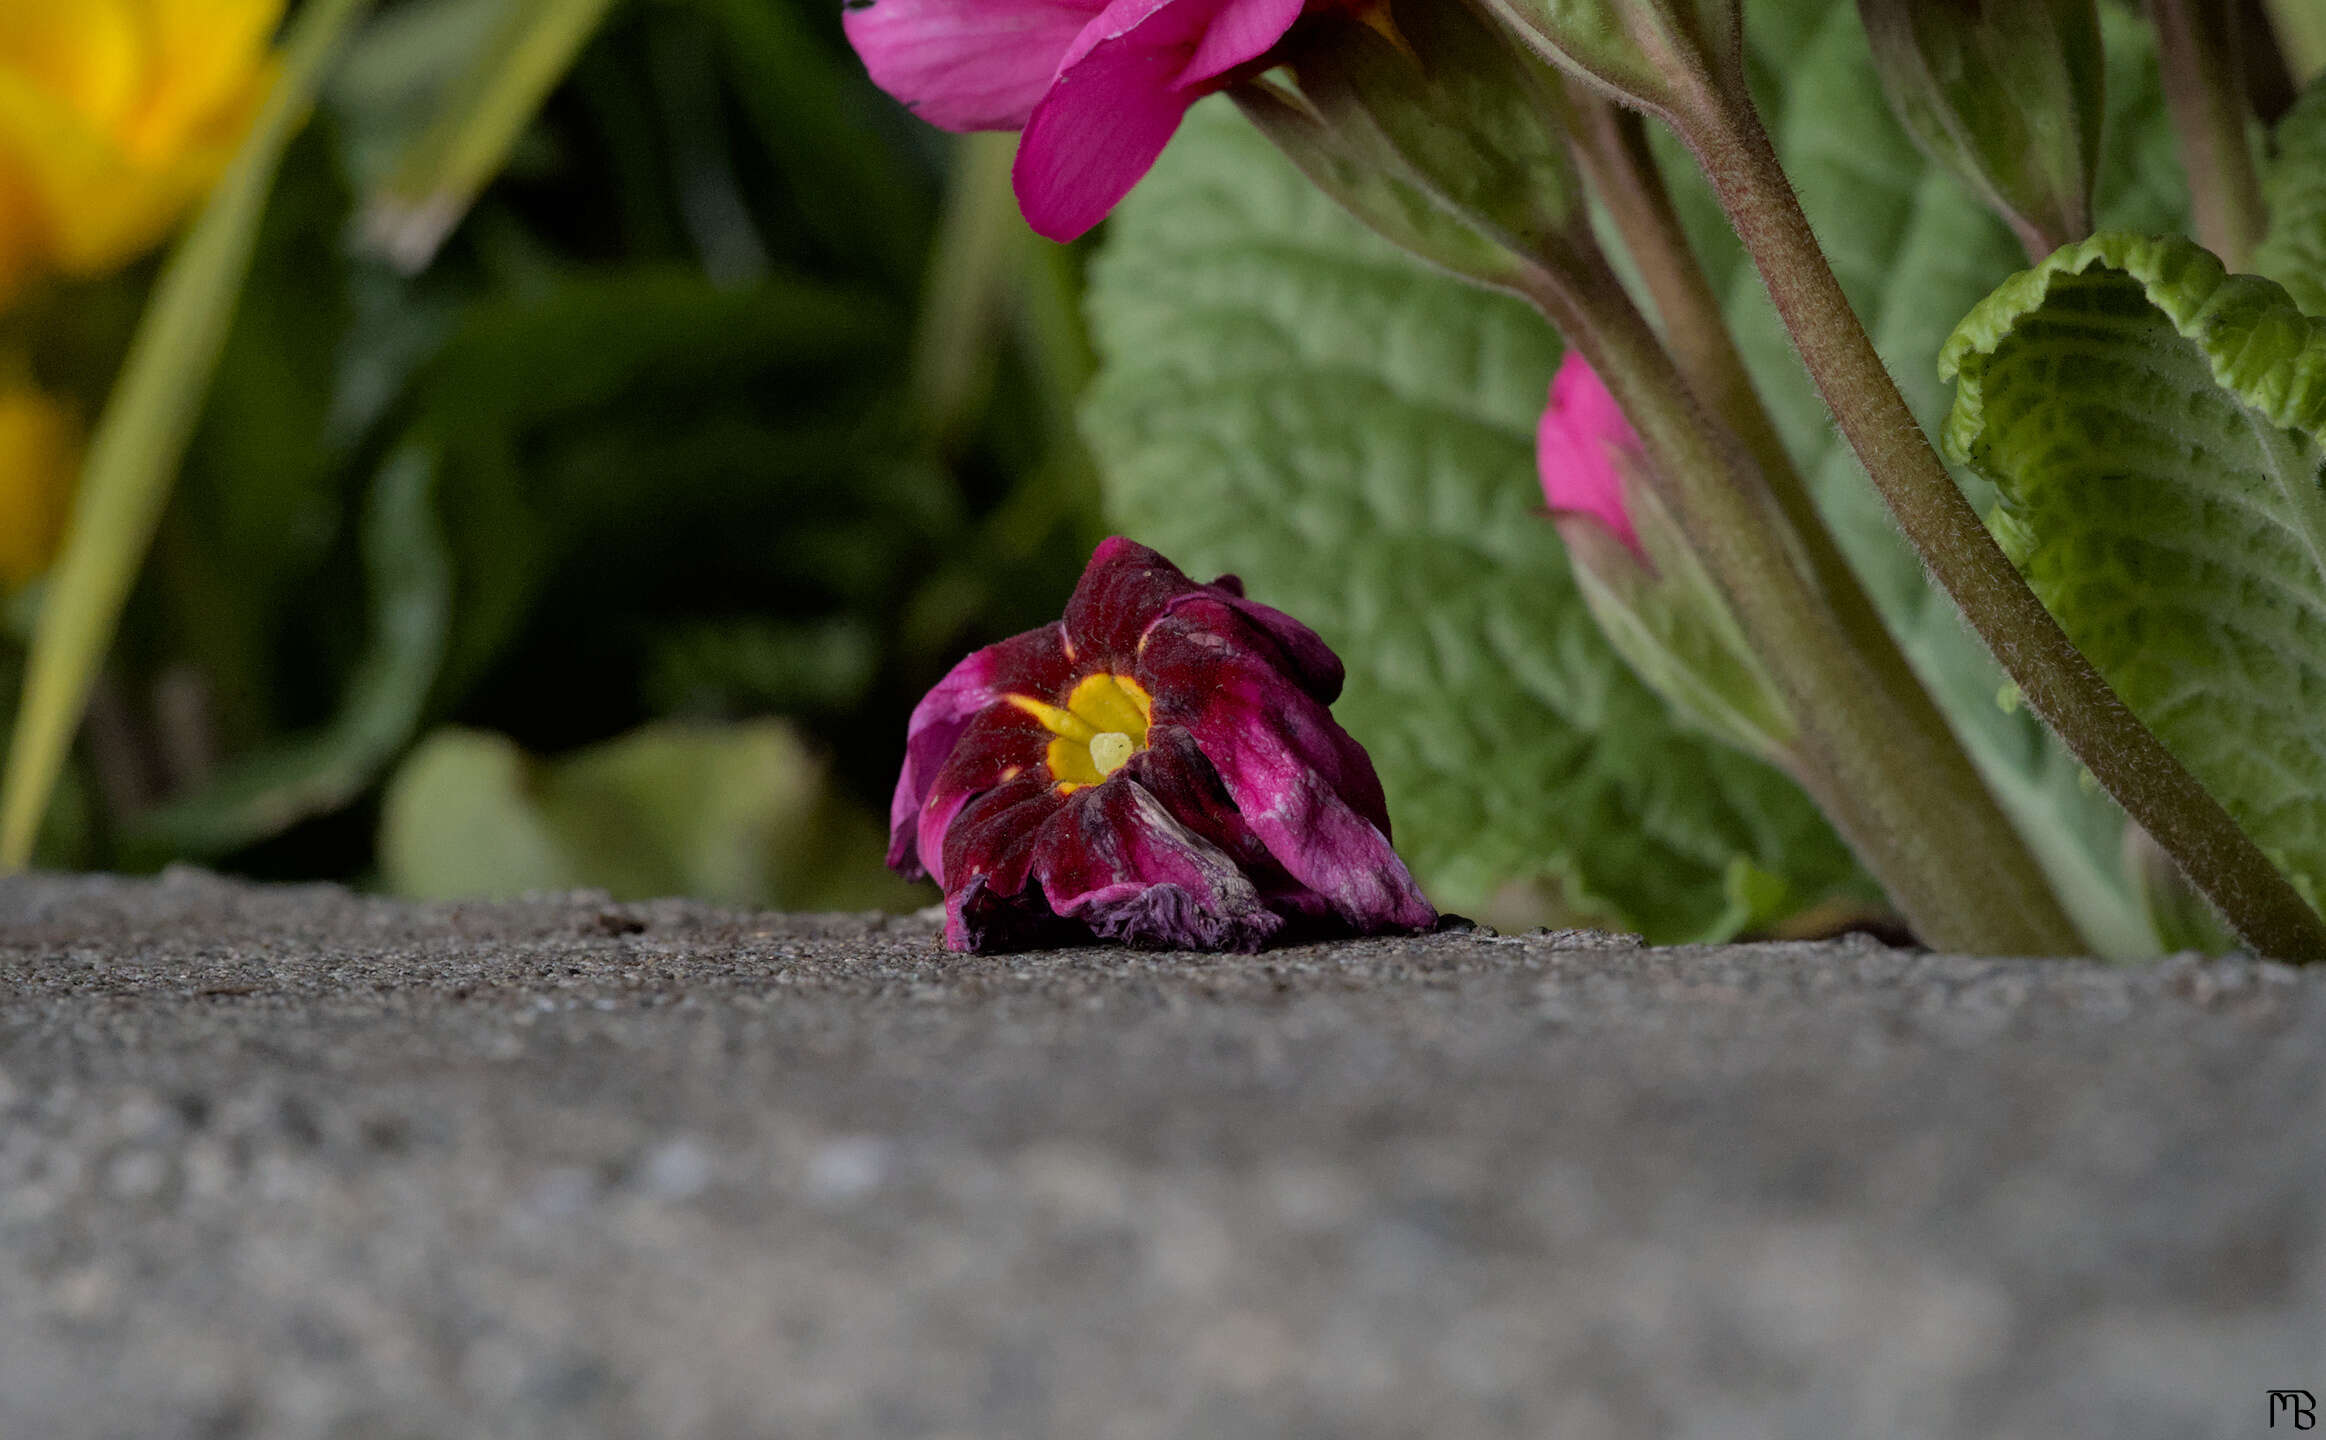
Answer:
(115, 115)
(1158, 767)
(1097, 88)
(40, 452)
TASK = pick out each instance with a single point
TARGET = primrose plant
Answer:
(2140, 414)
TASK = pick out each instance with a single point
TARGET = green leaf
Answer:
(537, 405)
(389, 87)
(2153, 426)
(134, 454)
(1288, 397)
(271, 478)
(740, 814)
(1915, 251)
(289, 780)
(484, 109)
(2301, 34)
(2293, 253)
(805, 100)
(759, 664)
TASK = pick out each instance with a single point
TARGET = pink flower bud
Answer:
(1582, 448)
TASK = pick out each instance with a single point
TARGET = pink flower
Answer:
(1097, 88)
(1582, 448)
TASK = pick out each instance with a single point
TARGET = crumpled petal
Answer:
(1121, 91)
(1305, 655)
(1579, 449)
(1035, 663)
(1127, 587)
(967, 64)
(1298, 779)
(997, 747)
(989, 852)
(1115, 858)
(1123, 588)
(1190, 788)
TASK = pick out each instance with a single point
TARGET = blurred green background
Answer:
(611, 542)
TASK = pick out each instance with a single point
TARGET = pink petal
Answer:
(967, 64)
(1581, 446)
(1122, 87)
(1239, 33)
(1094, 135)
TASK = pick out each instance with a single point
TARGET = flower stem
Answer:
(1612, 147)
(2056, 679)
(1904, 798)
(2203, 63)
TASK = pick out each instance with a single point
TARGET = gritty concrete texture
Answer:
(291, 1162)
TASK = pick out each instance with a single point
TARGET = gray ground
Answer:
(295, 1163)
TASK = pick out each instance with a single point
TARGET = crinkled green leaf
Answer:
(1915, 251)
(2293, 253)
(1287, 397)
(736, 813)
(2152, 425)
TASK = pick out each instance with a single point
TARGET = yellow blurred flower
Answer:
(115, 115)
(40, 460)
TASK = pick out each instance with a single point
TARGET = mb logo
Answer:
(2295, 1403)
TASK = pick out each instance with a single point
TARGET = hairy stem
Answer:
(2201, 53)
(1612, 147)
(2056, 679)
(1940, 847)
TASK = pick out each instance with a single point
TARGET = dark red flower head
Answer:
(1159, 767)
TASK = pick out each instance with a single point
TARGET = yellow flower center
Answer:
(1101, 726)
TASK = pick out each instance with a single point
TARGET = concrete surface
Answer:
(298, 1163)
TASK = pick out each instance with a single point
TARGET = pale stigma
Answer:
(1109, 749)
